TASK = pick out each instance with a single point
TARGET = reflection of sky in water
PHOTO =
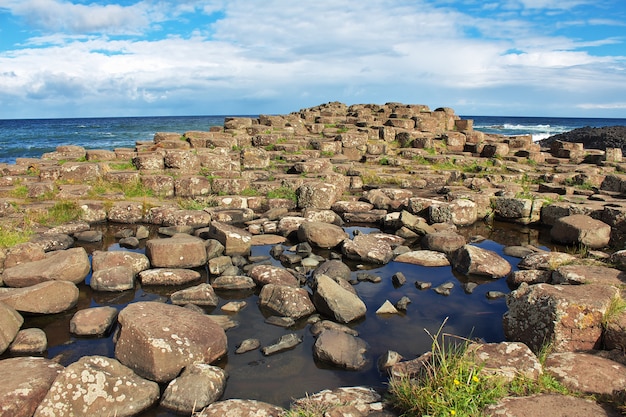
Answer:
(292, 374)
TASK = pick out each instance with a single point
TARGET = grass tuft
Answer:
(283, 192)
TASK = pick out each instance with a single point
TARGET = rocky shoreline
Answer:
(418, 174)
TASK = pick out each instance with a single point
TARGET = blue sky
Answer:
(63, 58)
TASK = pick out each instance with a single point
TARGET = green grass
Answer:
(11, 235)
(62, 212)
(190, 204)
(451, 383)
(616, 307)
(249, 192)
(282, 192)
(122, 166)
(19, 191)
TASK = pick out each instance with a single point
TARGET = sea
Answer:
(30, 138)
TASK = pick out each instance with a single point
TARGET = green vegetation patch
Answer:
(283, 192)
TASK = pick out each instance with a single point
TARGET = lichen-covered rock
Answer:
(271, 274)
(95, 385)
(29, 341)
(545, 260)
(137, 262)
(168, 276)
(198, 386)
(472, 260)
(158, 340)
(24, 382)
(316, 195)
(286, 301)
(518, 210)
(423, 258)
(368, 248)
(117, 278)
(548, 405)
(364, 400)
(241, 408)
(588, 274)
(507, 360)
(579, 229)
(587, 373)
(446, 241)
(566, 316)
(127, 212)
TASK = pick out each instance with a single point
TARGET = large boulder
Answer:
(568, 317)
(286, 301)
(472, 260)
(10, 323)
(340, 349)
(67, 265)
(96, 383)
(24, 382)
(49, 297)
(579, 229)
(117, 278)
(445, 241)
(179, 251)
(335, 301)
(158, 340)
(322, 235)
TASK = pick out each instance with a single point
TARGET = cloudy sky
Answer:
(87, 58)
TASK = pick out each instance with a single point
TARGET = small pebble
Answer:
(422, 285)
(469, 287)
(403, 303)
(248, 345)
(492, 295)
(398, 279)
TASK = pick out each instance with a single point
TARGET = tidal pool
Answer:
(292, 374)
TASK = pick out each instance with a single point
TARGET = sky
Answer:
(62, 58)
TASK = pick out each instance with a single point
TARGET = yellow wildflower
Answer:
(452, 412)
(475, 378)
(456, 382)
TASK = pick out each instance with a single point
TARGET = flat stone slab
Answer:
(587, 373)
(588, 274)
(553, 405)
(94, 321)
(506, 359)
(423, 258)
(241, 408)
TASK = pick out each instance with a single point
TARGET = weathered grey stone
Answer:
(127, 212)
(24, 382)
(198, 386)
(335, 269)
(48, 297)
(68, 265)
(158, 340)
(248, 345)
(587, 373)
(472, 260)
(579, 229)
(340, 349)
(567, 317)
(529, 276)
(168, 276)
(179, 251)
(241, 408)
(29, 341)
(117, 278)
(545, 260)
(137, 262)
(23, 253)
(202, 295)
(96, 383)
(10, 323)
(95, 321)
(517, 210)
(286, 300)
(346, 401)
(286, 342)
(332, 299)
(322, 325)
(322, 235)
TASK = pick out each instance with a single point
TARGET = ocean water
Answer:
(31, 138)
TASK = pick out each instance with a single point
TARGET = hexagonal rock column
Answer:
(472, 260)
(581, 229)
(236, 241)
(569, 317)
(158, 340)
